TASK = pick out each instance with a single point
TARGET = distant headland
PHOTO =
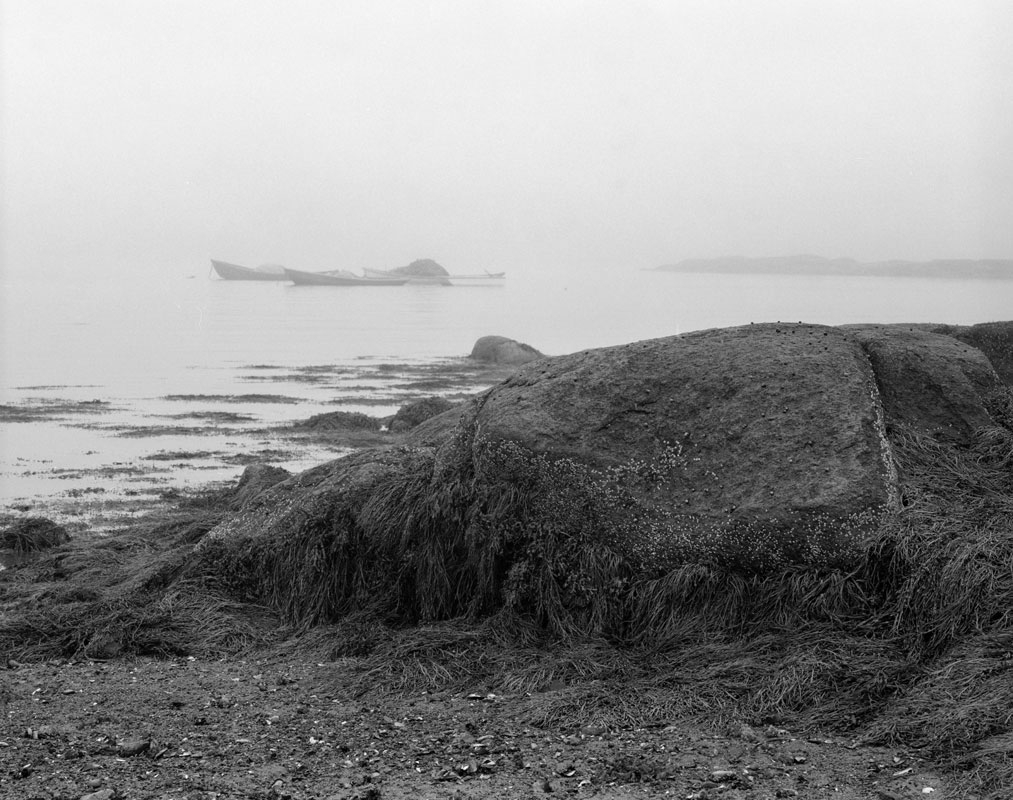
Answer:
(996, 268)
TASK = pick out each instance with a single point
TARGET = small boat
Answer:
(441, 280)
(339, 277)
(234, 272)
(431, 280)
(478, 277)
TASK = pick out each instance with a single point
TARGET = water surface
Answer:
(163, 354)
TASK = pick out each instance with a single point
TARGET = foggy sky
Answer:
(151, 134)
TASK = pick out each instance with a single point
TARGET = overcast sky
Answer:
(144, 134)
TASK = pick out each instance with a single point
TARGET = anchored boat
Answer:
(339, 278)
(475, 279)
(235, 272)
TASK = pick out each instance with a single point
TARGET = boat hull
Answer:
(303, 278)
(235, 272)
(489, 278)
(477, 279)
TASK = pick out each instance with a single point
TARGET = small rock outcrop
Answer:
(256, 479)
(341, 421)
(503, 351)
(411, 415)
(438, 429)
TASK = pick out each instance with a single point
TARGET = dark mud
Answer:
(112, 471)
(153, 431)
(459, 373)
(217, 417)
(234, 398)
(264, 456)
(49, 409)
(49, 387)
(181, 455)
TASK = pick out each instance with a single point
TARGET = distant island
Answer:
(994, 268)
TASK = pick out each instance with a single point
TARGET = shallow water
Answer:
(147, 348)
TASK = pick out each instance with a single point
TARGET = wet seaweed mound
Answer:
(31, 534)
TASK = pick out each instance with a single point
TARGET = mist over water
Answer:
(137, 349)
(141, 339)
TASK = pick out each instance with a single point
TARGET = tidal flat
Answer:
(92, 462)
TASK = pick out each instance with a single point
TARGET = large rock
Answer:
(931, 382)
(504, 351)
(994, 339)
(754, 449)
(767, 432)
(749, 447)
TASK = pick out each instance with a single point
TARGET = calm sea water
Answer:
(133, 344)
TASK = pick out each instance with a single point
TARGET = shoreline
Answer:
(198, 442)
(818, 266)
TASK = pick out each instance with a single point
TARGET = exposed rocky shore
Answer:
(713, 558)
